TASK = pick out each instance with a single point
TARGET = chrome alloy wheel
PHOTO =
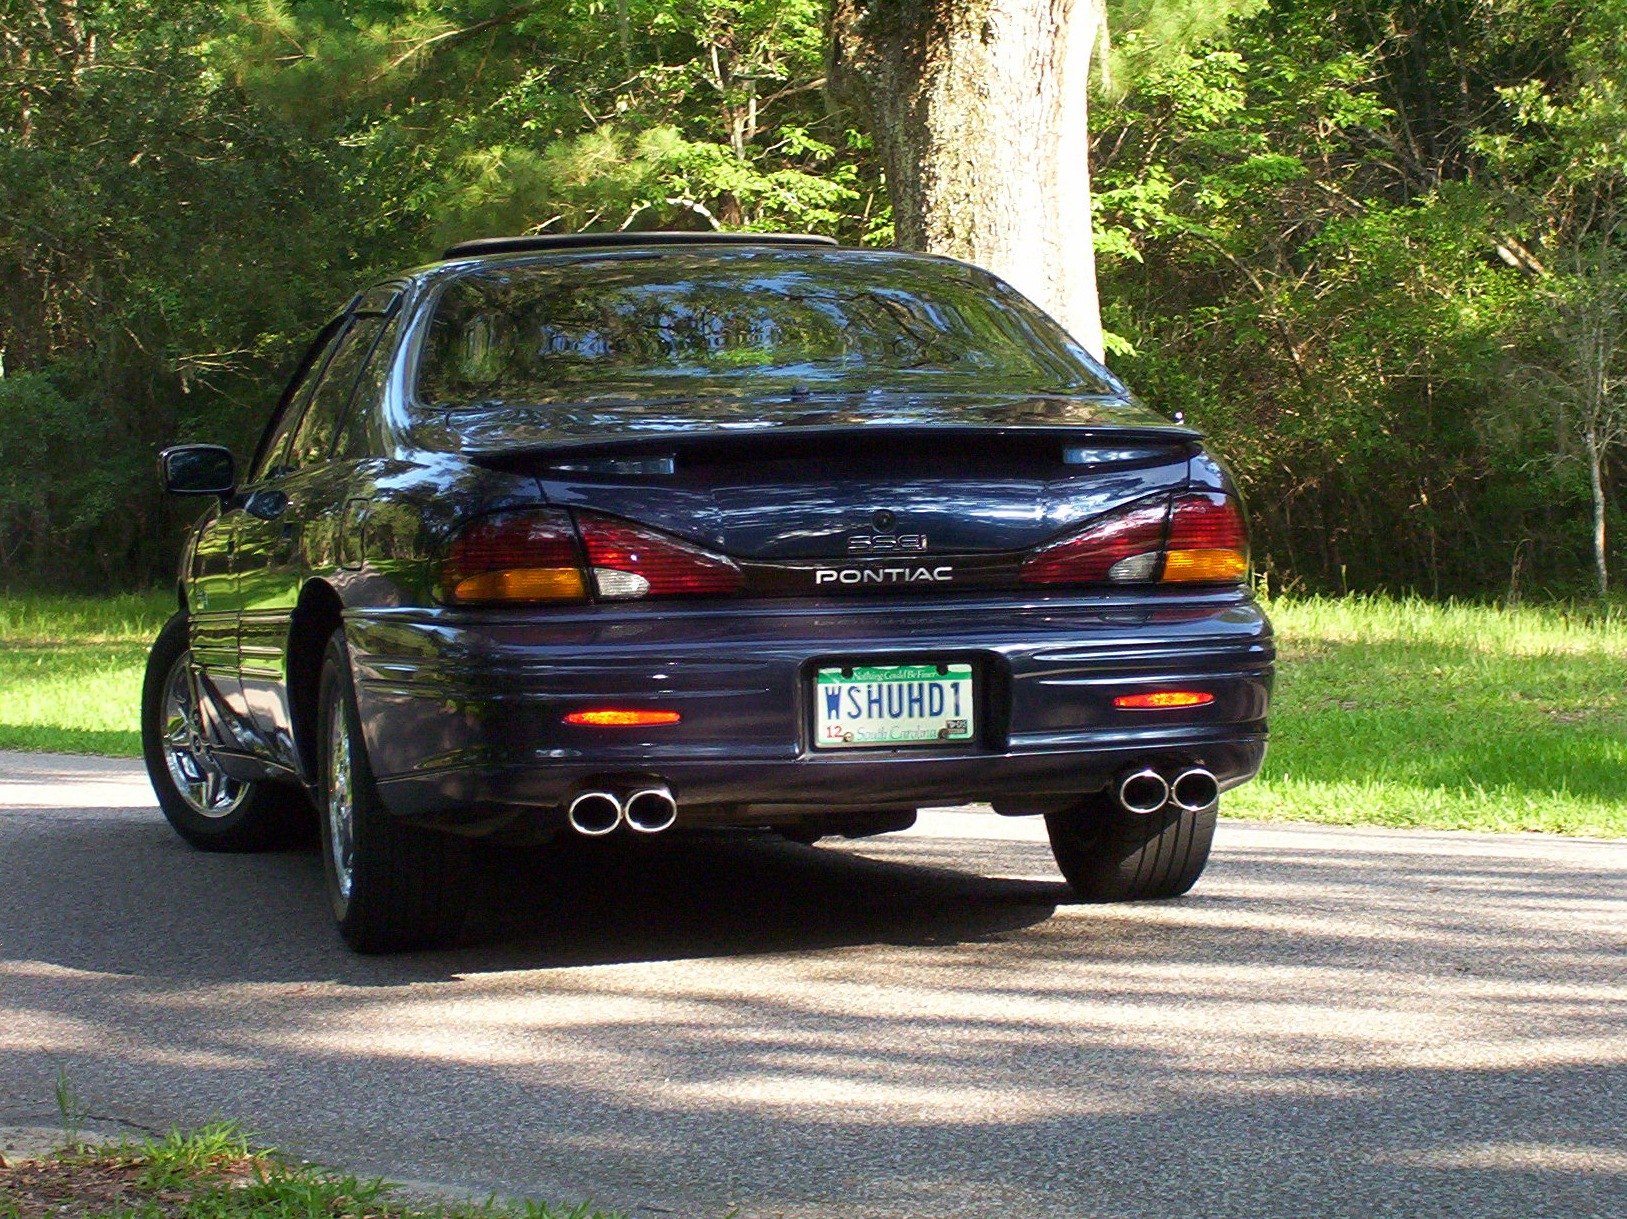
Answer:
(341, 804)
(207, 789)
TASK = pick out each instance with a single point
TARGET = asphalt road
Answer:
(1334, 1023)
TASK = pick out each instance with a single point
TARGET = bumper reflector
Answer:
(609, 718)
(1163, 700)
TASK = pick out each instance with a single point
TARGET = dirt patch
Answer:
(71, 1186)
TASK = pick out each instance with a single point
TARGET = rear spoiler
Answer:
(1073, 445)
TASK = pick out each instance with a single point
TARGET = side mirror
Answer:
(197, 469)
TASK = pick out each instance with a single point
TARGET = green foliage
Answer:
(581, 115)
(162, 252)
(187, 189)
(214, 1173)
(1331, 234)
(1348, 239)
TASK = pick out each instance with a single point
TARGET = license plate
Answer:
(875, 705)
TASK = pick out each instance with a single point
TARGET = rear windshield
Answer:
(692, 324)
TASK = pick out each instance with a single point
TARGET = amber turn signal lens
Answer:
(622, 719)
(523, 584)
(1205, 566)
(1162, 700)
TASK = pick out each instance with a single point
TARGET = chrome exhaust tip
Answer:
(651, 809)
(1194, 790)
(1144, 792)
(594, 814)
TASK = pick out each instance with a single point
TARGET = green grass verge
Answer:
(1408, 713)
(214, 1174)
(1387, 712)
(70, 670)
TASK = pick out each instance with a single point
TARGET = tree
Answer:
(679, 114)
(163, 250)
(1323, 230)
(979, 112)
(187, 188)
(1564, 167)
(1587, 382)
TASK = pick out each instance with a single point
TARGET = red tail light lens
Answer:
(1208, 540)
(630, 561)
(515, 557)
(1119, 549)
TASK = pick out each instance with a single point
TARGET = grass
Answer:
(1408, 713)
(1387, 712)
(214, 1174)
(71, 668)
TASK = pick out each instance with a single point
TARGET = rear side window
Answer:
(270, 457)
(691, 323)
(314, 439)
(361, 432)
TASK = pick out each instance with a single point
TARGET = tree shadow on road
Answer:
(882, 1028)
(125, 897)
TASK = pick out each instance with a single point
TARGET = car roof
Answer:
(587, 241)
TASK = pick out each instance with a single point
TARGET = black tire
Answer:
(208, 809)
(393, 886)
(1110, 854)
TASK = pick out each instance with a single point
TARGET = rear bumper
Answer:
(463, 712)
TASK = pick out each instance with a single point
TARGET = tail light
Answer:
(538, 555)
(1192, 537)
(1124, 548)
(1208, 540)
(515, 557)
(629, 561)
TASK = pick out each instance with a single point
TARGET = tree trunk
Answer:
(1595, 475)
(978, 110)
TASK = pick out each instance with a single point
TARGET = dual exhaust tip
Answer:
(646, 810)
(1146, 791)
(651, 809)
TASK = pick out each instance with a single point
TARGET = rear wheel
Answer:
(206, 806)
(1110, 854)
(393, 886)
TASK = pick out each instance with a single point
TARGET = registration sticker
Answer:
(870, 705)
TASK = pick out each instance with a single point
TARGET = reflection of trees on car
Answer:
(532, 336)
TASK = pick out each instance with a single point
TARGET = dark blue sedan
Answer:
(628, 534)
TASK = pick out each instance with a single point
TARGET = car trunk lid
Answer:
(804, 481)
